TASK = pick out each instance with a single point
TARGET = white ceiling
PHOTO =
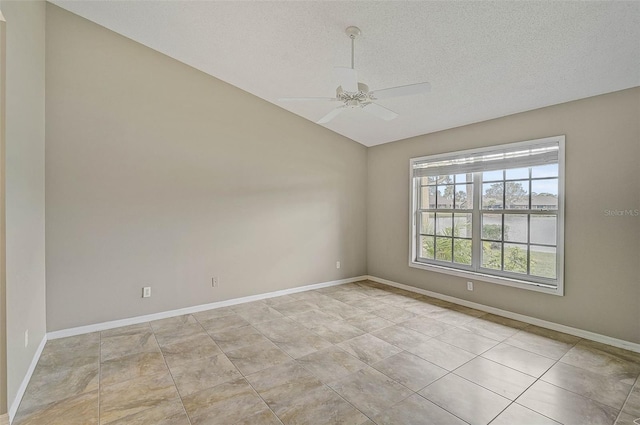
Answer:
(484, 59)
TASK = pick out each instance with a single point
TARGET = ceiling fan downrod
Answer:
(353, 32)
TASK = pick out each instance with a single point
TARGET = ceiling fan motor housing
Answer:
(354, 99)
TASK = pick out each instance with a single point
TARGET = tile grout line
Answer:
(99, 375)
(626, 400)
(539, 379)
(170, 373)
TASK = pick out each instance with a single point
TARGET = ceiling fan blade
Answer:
(407, 90)
(380, 111)
(348, 78)
(331, 115)
(305, 99)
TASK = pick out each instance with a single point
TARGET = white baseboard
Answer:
(27, 377)
(195, 309)
(620, 343)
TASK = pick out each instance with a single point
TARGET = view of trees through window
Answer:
(516, 212)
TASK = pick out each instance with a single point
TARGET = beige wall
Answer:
(602, 254)
(3, 239)
(25, 244)
(159, 175)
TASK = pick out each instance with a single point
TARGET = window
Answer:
(492, 214)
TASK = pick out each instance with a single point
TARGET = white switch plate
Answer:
(26, 338)
(469, 286)
(214, 282)
(146, 292)
(337, 264)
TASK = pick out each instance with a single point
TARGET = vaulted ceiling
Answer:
(483, 59)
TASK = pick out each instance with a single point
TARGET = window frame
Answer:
(513, 279)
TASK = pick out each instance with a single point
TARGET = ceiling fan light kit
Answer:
(356, 95)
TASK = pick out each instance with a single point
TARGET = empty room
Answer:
(319, 212)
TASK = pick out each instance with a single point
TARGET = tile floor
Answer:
(360, 353)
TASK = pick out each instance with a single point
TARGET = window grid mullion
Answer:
(476, 232)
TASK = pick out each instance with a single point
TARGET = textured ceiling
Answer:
(483, 59)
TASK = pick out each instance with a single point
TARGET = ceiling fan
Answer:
(354, 94)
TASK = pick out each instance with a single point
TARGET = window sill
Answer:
(488, 278)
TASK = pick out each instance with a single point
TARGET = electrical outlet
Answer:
(337, 264)
(146, 292)
(26, 338)
(469, 286)
(214, 282)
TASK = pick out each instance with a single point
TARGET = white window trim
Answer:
(507, 281)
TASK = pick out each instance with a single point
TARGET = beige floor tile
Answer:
(131, 366)
(129, 340)
(229, 403)
(632, 406)
(543, 341)
(394, 299)
(313, 317)
(426, 326)
(257, 357)
(214, 313)
(441, 354)
(169, 413)
(279, 327)
(320, 406)
(294, 307)
(135, 395)
(72, 351)
(493, 376)
(410, 370)
(519, 415)
(283, 382)
(474, 343)
(331, 364)
(368, 304)
(126, 330)
(233, 339)
(518, 359)
(566, 407)
(417, 410)
(604, 389)
(422, 306)
(627, 419)
(177, 335)
(278, 300)
(298, 397)
(339, 309)
(173, 324)
(48, 385)
(264, 417)
(224, 323)
(258, 312)
(401, 337)
(466, 400)
(488, 327)
(394, 314)
(452, 317)
(300, 343)
(327, 383)
(192, 347)
(621, 353)
(347, 296)
(603, 362)
(78, 410)
(335, 332)
(370, 391)
(369, 349)
(369, 322)
(204, 373)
